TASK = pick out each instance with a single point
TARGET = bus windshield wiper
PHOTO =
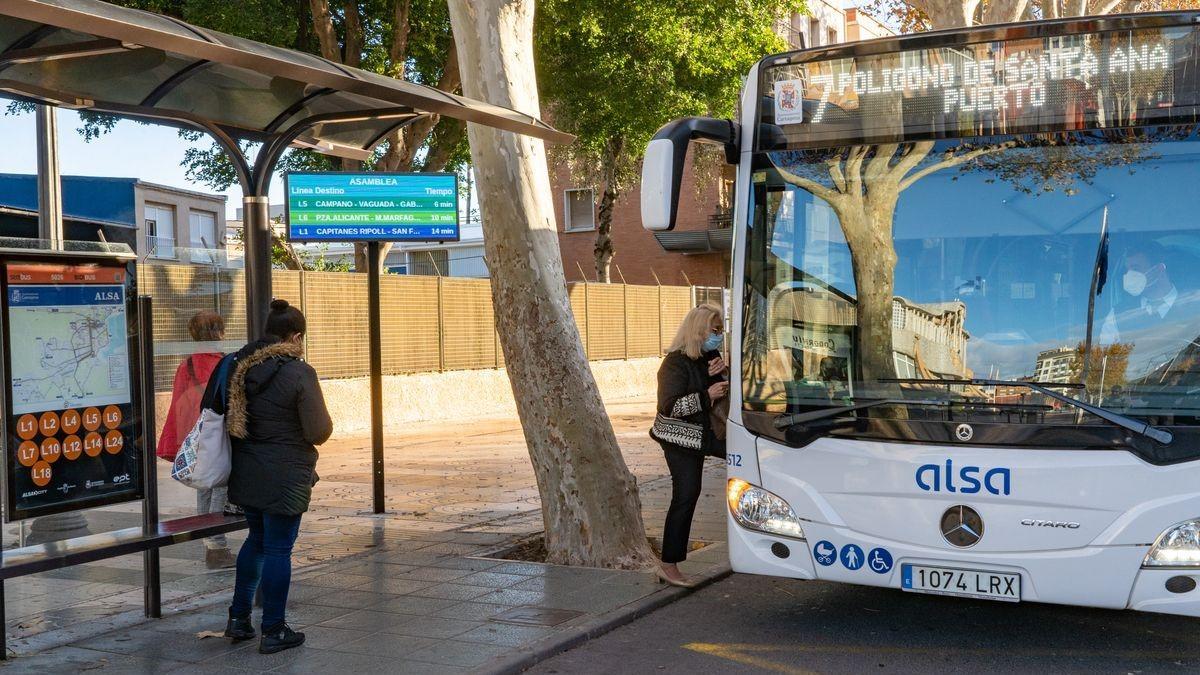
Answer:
(1136, 426)
(825, 413)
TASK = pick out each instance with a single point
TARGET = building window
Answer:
(831, 36)
(814, 32)
(429, 263)
(906, 366)
(204, 229)
(579, 209)
(160, 230)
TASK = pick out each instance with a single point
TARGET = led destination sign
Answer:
(372, 207)
(1096, 80)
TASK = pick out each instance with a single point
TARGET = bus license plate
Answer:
(966, 583)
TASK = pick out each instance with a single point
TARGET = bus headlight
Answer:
(756, 509)
(1179, 546)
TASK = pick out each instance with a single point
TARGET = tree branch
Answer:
(828, 194)
(835, 172)
(323, 27)
(1105, 6)
(917, 152)
(952, 162)
(354, 34)
(400, 31)
(444, 143)
(1004, 11)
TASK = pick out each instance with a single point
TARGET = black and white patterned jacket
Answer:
(683, 395)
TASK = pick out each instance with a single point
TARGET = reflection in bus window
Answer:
(1070, 259)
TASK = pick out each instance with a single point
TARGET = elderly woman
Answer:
(692, 380)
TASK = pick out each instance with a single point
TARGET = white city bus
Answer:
(966, 305)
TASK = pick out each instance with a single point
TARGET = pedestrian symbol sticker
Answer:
(825, 553)
(852, 557)
(879, 560)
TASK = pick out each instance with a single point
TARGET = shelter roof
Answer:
(93, 55)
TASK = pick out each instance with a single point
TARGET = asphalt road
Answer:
(750, 624)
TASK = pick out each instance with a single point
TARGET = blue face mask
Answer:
(714, 342)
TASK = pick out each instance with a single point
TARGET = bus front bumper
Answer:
(1111, 577)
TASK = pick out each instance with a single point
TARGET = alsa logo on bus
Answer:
(996, 481)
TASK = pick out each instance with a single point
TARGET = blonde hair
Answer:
(694, 330)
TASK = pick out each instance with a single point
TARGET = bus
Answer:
(966, 310)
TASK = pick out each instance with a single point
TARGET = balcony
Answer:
(160, 247)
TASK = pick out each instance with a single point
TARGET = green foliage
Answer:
(620, 69)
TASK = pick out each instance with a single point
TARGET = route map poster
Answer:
(70, 425)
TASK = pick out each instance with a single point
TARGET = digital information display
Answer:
(347, 207)
(70, 386)
(1091, 80)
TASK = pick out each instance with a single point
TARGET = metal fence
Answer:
(429, 323)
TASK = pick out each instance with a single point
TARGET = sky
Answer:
(148, 152)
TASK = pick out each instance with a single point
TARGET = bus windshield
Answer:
(924, 254)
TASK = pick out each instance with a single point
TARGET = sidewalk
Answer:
(408, 591)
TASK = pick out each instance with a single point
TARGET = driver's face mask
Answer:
(1135, 282)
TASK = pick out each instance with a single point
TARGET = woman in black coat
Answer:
(692, 379)
(276, 416)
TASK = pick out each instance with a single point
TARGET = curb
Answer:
(570, 639)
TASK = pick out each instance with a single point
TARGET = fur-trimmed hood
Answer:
(243, 383)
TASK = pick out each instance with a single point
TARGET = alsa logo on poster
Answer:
(106, 296)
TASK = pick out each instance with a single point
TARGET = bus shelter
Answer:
(91, 55)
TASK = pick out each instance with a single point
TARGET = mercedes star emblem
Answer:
(962, 526)
(964, 432)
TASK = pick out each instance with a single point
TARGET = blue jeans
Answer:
(266, 555)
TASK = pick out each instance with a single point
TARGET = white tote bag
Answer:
(203, 461)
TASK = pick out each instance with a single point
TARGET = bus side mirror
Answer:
(662, 166)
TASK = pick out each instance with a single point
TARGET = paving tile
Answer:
(435, 627)
(328, 637)
(150, 644)
(474, 564)
(454, 591)
(503, 634)
(304, 614)
(439, 574)
(390, 645)
(493, 579)
(368, 621)
(350, 598)
(343, 663)
(414, 604)
(466, 654)
(530, 569)
(511, 597)
(338, 580)
(472, 611)
(397, 586)
(76, 660)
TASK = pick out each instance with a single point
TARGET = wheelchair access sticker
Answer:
(879, 560)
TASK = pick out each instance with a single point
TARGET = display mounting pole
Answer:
(375, 340)
(152, 598)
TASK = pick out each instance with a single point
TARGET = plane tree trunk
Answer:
(590, 503)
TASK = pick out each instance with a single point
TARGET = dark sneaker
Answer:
(239, 628)
(219, 559)
(278, 639)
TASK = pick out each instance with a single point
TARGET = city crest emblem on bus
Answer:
(964, 432)
(789, 108)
